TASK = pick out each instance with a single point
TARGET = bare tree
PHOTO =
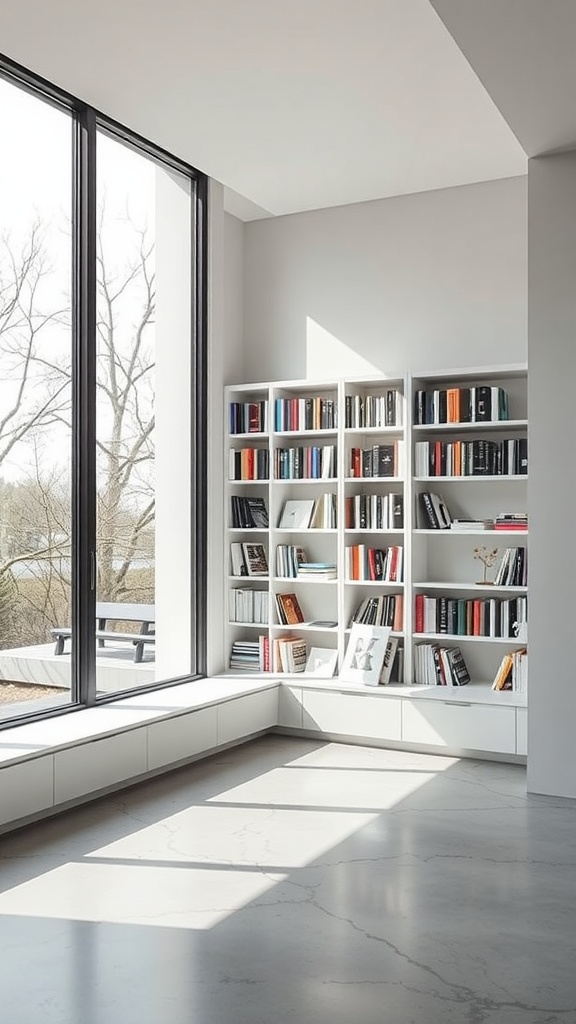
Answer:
(35, 513)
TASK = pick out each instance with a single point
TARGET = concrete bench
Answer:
(62, 634)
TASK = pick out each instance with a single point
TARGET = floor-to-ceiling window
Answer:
(101, 407)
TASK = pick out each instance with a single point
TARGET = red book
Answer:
(393, 565)
(438, 458)
(253, 417)
(477, 618)
(372, 564)
(419, 613)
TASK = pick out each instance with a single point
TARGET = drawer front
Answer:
(93, 766)
(466, 726)
(522, 731)
(26, 788)
(246, 715)
(352, 714)
(178, 738)
(290, 707)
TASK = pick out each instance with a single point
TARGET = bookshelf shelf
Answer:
(391, 407)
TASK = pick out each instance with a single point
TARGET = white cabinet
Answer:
(352, 714)
(522, 731)
(175, 739)
(26, 788)
(459, 726)
(90, 767)
(290, 707)
(247, 715)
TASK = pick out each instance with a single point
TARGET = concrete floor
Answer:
(290, 881)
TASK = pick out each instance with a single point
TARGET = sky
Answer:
(36, 186)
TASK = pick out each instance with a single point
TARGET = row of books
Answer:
(512, 673)
(383, 410)
(288, 558)
(480, 457)
(309, 514)
(379, 460)
(367, 563)
(248, 417)
(490, 617)
(248, 559)
(305, 414)
(248, 655)
(246, 605)
(461, 405)
(513, 568)
(375, 512)
(384, 610)
(439, 666)
(305, 463)
(249, 464)
(248, 513)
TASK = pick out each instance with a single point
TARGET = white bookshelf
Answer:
(437, 563)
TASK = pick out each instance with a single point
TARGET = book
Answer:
(389, 656)
(258, 512)
(322, 662)
(296, 515)
(255, 559)
(289, 610)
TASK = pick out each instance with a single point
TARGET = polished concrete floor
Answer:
(291, 881)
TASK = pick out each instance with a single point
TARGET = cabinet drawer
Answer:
(466, 726)
(522, 731)
(178, 738)
(352, 714)
(246, 715)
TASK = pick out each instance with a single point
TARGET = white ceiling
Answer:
(293, 106)
(524, 52)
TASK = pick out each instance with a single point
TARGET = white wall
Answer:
(415, 282)
(552, 480)
(225, 365)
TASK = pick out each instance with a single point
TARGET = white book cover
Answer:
(365, 653)
(322, 662)
(296, 515)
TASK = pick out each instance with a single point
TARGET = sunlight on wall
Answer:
(327, 356)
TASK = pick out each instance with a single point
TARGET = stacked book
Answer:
(511, 521)
(471, 525)
(317, 572)
(288, 558)
(247, 656)
(439, 666)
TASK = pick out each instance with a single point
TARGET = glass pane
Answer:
(142, 420)
(35, 402)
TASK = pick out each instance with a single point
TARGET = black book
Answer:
(429, 511)
(363, 517)
(419, 407)
(397, 511)
(522, 447)
(442, 615)
(443, 406)
(258, 513)
(465, 406)
(428, 407)
(460, 673)
(390, 408)
(385, 460)
(483, 404)
(452, 615)
(366, 462)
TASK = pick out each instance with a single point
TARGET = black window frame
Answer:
(86, 122)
